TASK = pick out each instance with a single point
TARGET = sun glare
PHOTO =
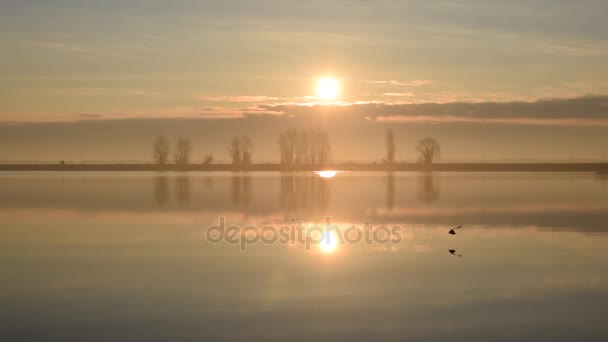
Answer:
(329, 242)
(328, 88)
(326, 174)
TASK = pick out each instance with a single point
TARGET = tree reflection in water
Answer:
(161, 190)
(182, 189)
(428, 187)
(390, 191)
(304, 195)
(241, 188)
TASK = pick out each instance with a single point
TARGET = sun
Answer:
(328, 88)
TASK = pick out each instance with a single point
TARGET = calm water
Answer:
(123, 256)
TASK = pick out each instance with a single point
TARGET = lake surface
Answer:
(126, 256)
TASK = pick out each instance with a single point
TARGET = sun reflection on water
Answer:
(326, 174)
(329, 242)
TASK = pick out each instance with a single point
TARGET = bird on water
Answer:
(453, 230)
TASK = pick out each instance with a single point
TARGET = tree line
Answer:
(296, 148)
(304, 147)
(182, 152)
(240, 151)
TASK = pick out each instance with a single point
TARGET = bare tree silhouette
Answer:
(241, 152)
(183, 152)
(247, 151)
(235, 151)
(161, 150)
(429, 150)
(306, 147)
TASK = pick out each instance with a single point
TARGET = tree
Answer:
(208, 160)
(161, 150)
(235, 151)
(247, 150)
(429, 150)
(183, 151)
(390, 147)
(324, 147)
(309, 147)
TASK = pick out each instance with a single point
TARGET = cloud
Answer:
(241, 98)
(414, 83)
(587, 111)
(89, 116)
(513, 121)
(579, 111)
(102, 92)
(405, 94)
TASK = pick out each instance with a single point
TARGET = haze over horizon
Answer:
(490, 80)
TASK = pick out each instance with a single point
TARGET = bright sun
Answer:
(329, 242)
(328, 88)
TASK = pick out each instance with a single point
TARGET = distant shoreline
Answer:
(445, 167)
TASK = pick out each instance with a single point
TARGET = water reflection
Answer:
(246, 180)
(208, 180)
(182, 189)
(535, 246)
(304, 195)
(390, 191)
(428, 187)
(161, 190)
(241, 188)
(545, 201)
(236, 189)
(329, 242)
(326, 174)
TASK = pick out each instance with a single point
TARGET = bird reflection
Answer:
(453, 252)
(182, 189)
(161, 190)
(390, 191)
(428, 188)
(453, 230)
(304, 195)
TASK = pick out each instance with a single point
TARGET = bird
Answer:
(453, 252)
(452, 231)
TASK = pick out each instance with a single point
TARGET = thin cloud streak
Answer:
(511, 121)
(242, 98)
(414, 83)
(405, 94)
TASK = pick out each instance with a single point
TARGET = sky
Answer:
(490, 80)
